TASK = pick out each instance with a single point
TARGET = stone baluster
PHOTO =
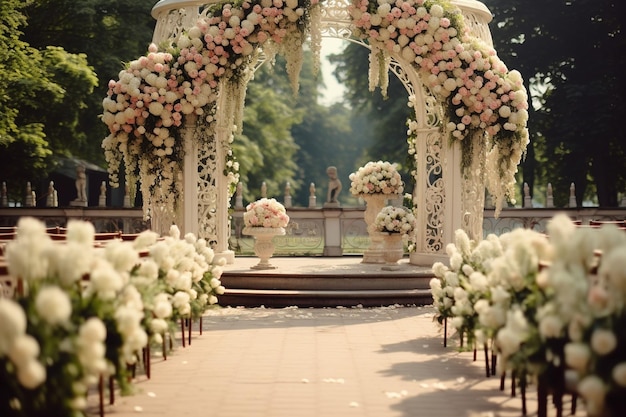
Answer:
(239, 196)
(572, 196)
(287, 195)
(30, 197)
(549, 197)
(4, 199)
(102, 199)
(263, 190)
(528, 201)
(126, 202)
(312, 197)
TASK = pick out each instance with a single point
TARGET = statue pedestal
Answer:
(78, 203)
(332, 230)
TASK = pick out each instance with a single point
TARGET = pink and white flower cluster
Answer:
(149, 102)
(266, 212)
(376, 178)
(480, 93)
(393, 219)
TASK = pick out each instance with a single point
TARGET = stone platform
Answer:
(324, 282)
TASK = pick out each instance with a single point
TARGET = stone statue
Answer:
(334, 185)
(50, 201)
(288, 195)
(312, 197)
(81, 187)
(239, 195)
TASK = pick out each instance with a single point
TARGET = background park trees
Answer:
(56, 57)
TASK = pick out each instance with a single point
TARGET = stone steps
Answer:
(324, 284)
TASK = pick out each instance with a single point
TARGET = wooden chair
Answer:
(8, 235)
(599, 223)
(128, 237)
(106, 236)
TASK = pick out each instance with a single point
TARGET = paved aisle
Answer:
(294, 362)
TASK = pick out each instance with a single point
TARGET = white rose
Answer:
(93, 330)
(53, 305)
(603, 341)
(577, 356)
(592, 389)
(31, 375)
(24, 349)
(619, 374)
(13, 322)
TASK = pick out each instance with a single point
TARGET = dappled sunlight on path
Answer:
(377, 362)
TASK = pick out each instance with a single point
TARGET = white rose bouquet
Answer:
(395, 220)
(266, 212)
(376, 178)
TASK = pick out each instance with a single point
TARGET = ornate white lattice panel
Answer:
(208, 213)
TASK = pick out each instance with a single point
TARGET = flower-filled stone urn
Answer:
(395, 225)
(264, 219)
(375, 183)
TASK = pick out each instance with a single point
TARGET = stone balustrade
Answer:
(315, 231)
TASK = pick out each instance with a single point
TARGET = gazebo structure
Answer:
(450, 175)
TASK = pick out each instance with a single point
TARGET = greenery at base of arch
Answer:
(146, 107)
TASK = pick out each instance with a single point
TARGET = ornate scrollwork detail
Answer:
(207, 190)
(435, 198)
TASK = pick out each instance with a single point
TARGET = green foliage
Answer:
(383, 120)
(573, 70)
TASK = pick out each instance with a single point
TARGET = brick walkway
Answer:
(298, 362)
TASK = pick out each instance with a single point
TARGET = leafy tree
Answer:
(266, 148)
(570, 54)
(106, 32)
(32, 84)
(383, 118)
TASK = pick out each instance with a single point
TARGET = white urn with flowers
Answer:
(396, 226)
(375, 183)
(264, 219)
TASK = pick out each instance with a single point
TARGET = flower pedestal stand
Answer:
(393, 250)
(263, 243)
(374, 204)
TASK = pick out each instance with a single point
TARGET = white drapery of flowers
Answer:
(485, 104)
(147, 106)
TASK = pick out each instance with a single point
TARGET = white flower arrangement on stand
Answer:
(555, 308)
(266, 212)
(264, 219)
(376, 178)
(588, 276)
(397, 226)
(86, 311)
(392, 219)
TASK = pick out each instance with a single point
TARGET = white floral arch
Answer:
(173, 112)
